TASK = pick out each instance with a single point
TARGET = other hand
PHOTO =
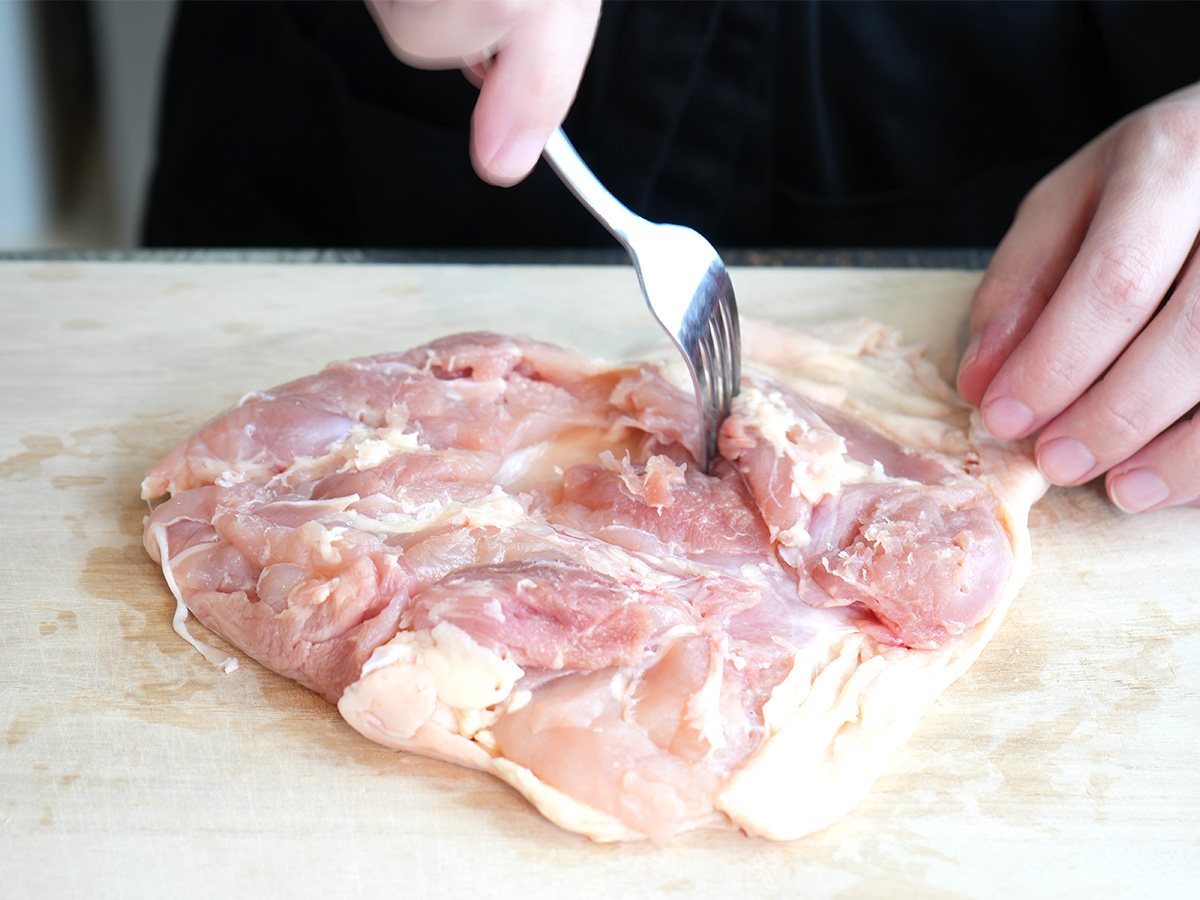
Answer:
(1086, 325)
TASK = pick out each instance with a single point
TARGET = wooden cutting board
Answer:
(1065, 763)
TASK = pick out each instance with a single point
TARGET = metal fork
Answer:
(685, 284)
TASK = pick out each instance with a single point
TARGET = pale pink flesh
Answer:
(283, 561)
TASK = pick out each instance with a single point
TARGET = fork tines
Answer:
(718, 363)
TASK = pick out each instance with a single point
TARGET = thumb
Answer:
(530, 87)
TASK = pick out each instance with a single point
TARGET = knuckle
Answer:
(1122, 274)
(1168, 132)
(1126, 423)
(1061, 370)
(1186, 332)
(1051, 375)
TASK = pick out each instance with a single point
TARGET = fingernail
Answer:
(516, 157)
(1138, 490)
(1065, 461)
(1007, 418)
(972, 351)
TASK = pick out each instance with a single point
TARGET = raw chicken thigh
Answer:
(501, 553)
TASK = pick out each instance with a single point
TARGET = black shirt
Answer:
(761, 124)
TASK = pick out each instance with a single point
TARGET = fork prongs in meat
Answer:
(718, 367)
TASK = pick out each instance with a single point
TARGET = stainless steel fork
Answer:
(685, 284)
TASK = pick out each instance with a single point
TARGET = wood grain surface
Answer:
(1066, 763)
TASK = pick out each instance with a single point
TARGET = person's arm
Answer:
(538, 50)
(1086, 325)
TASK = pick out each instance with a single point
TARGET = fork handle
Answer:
(575, 174)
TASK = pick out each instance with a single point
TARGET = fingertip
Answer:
(529, 88)
(1137, 490)
(508, 135)
(1006, 418)
(515, 158)
(987, 351)
(969, 382)
(502, 152)
(1065, 460)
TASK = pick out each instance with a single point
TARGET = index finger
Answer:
(1025, 270)
(1141, 234)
